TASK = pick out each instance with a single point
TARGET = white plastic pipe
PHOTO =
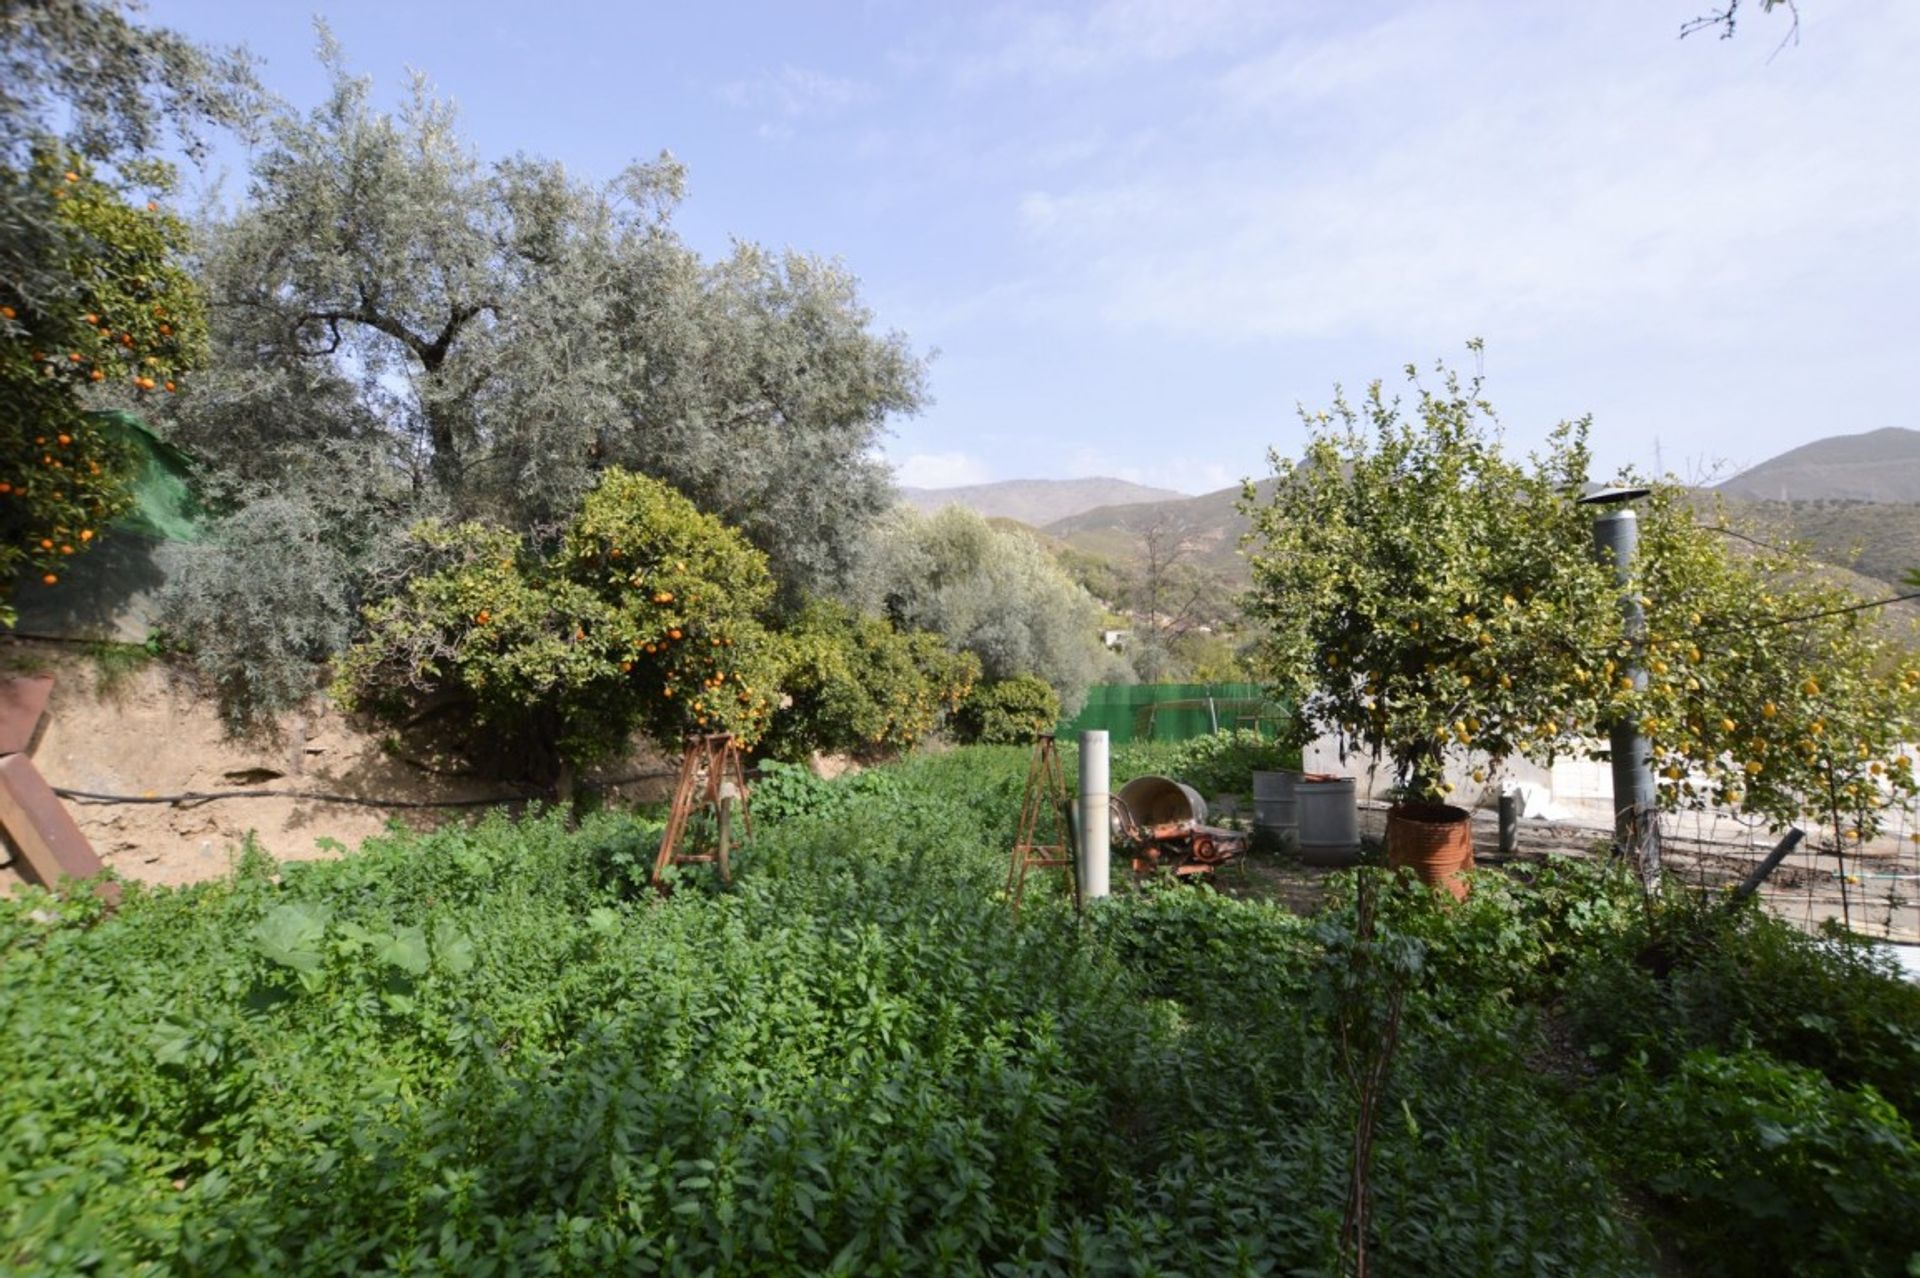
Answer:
(1094, 830)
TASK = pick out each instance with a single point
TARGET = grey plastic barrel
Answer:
(1274, 811)
(1162, 801)
(1329, 821)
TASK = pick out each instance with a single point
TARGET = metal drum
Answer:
(1274, 813)
(1329, 821)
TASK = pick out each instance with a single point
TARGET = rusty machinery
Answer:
(1162, 822)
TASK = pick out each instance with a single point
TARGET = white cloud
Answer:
(1110, 37)
(795, 91)
(941, 470)
(1304, 69)
(1664, 195)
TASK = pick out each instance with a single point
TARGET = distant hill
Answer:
(1878, 466)
(1037, 502)
(1209, 523)
(1880, 540)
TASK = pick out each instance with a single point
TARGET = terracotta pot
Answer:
(1435, 841)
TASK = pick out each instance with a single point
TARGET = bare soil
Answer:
(147, 733)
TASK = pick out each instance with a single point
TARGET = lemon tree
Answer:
(1769, 689)
(1420, 590)
(645, 617)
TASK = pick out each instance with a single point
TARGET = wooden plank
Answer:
(40, 827)
(22, 701)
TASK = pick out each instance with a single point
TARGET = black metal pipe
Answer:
(1760, 872)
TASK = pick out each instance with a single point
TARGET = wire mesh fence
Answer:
(1175, 711)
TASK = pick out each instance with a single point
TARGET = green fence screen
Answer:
(1174, 711)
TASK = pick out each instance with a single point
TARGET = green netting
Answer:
(163, 503)
(1174, 711)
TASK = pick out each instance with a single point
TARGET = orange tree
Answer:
(1420, 590)
(126, 315)
(645, 617)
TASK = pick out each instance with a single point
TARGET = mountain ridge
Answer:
(1037, 502)
(1881, 466)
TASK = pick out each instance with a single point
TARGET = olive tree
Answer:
(495, 334)
(81, 78)
(994, 592)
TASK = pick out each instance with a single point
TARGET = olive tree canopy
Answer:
(994, 592)
(487, 337)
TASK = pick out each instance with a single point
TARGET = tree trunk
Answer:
(564, 779)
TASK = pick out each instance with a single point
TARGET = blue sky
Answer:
(1139, 233)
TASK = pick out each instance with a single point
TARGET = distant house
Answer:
(1115, 639)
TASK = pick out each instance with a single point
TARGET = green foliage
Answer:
(1007, 711)
(990, 591)
(258, 605)
(126, 314)
(1769, 1168)
(1224, 762)
(859, 686)
(1802, 721)
(110, 89)
(496, 333)
(1691, 974)
(473, 1051)
(644, 618)
(792, 792)
(1422, 590)
(493, 1050)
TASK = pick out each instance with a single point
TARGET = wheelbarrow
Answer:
(1162, 822)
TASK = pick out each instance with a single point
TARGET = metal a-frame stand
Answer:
(1046, 793)
(711, 780)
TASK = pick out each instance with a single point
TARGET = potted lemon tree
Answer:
(1424, 592)
(1421, 591)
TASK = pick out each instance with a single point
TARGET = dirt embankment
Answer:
(146, 732)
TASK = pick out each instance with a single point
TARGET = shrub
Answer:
(1007, 711)
(258, 604)
(1224, 762)
(1767, 1168)
(857, 685)
(1694, 975)
(645, 617)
